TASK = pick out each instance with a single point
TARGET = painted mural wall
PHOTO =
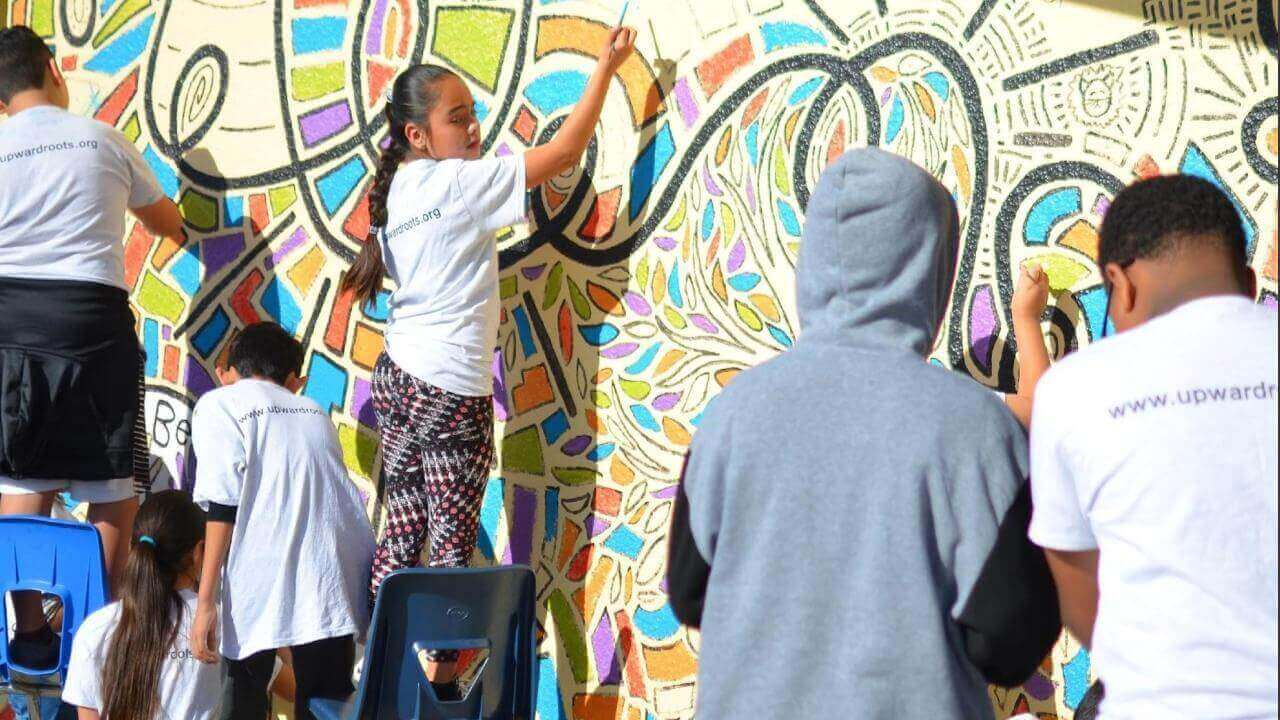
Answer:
(662, 267)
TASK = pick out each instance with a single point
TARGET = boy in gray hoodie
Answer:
(850, 531)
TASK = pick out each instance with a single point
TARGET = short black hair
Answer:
(1162, 215)
(23, 59)
(266, 350)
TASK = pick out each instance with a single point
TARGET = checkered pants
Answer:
(436, 449)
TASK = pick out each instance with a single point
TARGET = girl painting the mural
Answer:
(435, 208)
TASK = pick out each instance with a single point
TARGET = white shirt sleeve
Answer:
(493, 190)
(82, 686)
(218, 443)
(144, 188)
(1058, 521)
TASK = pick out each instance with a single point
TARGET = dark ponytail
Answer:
(168, 527)
(413, 96)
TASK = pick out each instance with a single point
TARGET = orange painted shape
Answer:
(585, 37)
(258, 212)
(534, 390)
(717, 69)
(165, 251)
(671, 663)
(607, 501)
(621, 472)
(1269, 270)
(335, 335)
(1081, 237)
(113, 107)
(1146, 167)
(135, 253)
(564, 326)
(596, 581)
(171, 363)
(568, 541)
(604, 299)
(366, 346)
(588, 706)
(603, 217)
(379, 75)
(69, 63)
(754, 108)
(633, 667)
(357, 225)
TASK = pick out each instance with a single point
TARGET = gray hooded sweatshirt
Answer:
(850, 531)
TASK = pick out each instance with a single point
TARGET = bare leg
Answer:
(114, 521)
(27, 608)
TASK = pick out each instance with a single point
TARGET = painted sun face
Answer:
(1098, 88)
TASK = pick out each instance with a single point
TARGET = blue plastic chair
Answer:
(62, 558)
(446, 609)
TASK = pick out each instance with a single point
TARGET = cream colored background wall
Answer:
(664, 266)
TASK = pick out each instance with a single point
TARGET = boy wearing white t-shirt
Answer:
(1154, 462)
(288, 536)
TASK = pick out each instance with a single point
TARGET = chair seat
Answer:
(330, 709)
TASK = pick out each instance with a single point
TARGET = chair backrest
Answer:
(56, 557)
(444, 609)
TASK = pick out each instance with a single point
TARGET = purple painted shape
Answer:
(1101, 205)
(373, 39)
(294, 242)
(704, 323)
(613, 352)
(606, 652)
(218, 251)
(503, 150)
(1038, 687)
(500, 408)
(526, 504)
(1269, 301)
(577, 445)
(684, 101)
(323, 123)
(362, 401)
(198, 380)
(751, 194)
(666, 401)
(595, 525)
(533, 273)
(166, 332)
(637, 303)
(884, 96)
(665, 493)
(983, 327)
(666, 243)
(712, 187)
(737, 256)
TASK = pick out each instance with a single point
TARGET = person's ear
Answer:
(54, 76)
(294, 382)
(1251, 282)
(1124, 295)
(4, 108)
(419, 138)
(227, 375)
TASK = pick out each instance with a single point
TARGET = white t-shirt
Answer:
(65, 183)
(189, 689)
(298, 567)
(440, 249)
(1158, 448)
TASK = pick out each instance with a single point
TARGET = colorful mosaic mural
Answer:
(663, 266)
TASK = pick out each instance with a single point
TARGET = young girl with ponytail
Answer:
(435, 208)
(130, 660)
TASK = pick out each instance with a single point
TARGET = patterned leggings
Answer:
(436, 450)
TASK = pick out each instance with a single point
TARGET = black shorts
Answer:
(70, 397)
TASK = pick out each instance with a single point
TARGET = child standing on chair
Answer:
(436, 207)
(289, 544)
(131, 659)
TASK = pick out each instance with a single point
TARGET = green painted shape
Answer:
(571, 637)
(42, 18)
(551, 292)
(507, 287)
(282, 198)
(580, 304)
(200, 210)
(123, 13)
(316, 81)
(575, 476)
(522, 452)
(159, 299)
(473, 41)
(635, 389)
